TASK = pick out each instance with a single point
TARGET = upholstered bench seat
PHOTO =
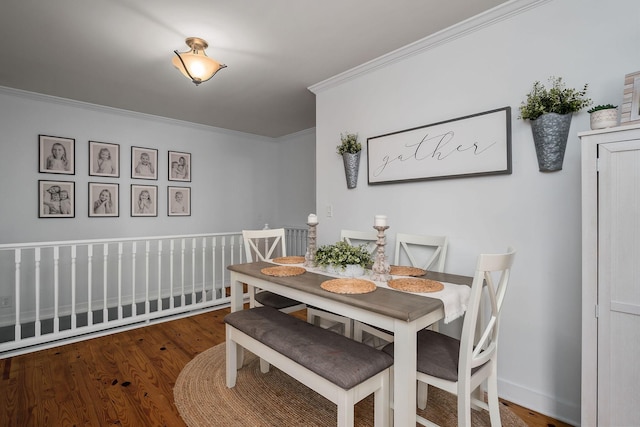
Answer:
(342, 370)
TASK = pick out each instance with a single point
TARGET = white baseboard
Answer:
(564, 411)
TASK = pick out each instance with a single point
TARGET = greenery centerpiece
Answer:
(339, 258)
(350, 149)
(550, 110)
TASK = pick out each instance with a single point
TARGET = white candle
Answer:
(380, 221)
(312, 219)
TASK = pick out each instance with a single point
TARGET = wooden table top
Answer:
(395, 304)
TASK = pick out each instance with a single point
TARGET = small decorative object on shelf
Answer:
(381, 268)
(550, 111)
(310, 256)
(603, 116)
(350, 150)
(343, 259)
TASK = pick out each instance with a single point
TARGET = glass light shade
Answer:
(195, 64)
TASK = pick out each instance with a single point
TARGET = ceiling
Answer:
(118, 53)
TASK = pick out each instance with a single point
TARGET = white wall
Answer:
(584, 41)
(237, 178)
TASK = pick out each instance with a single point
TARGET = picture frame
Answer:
(469, 146)
(144, 163)
(104, 199)
(141, 204)
(630, 109)
(104, 159)
(178, 201)
(56, 199)
(179, 166)
(56, 155)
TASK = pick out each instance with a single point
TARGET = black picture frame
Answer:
(104, 165)
(52, 199)
(56, 155)
(142, 206)
(144, 163)
(469, 146)
(104, 199)
(178, 201)
(180, 167)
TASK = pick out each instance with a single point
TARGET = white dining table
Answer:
(402, 313)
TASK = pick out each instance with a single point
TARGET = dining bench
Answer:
(340, 369)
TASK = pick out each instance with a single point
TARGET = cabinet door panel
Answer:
(619, 283)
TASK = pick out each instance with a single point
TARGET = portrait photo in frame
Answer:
(57, 155)
(144, 200)
(144, 163)
(630, 109)
(56, 199)
(179, 201)
(104, 199)
(104, 159)
(179, 166)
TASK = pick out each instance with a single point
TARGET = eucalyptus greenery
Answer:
(557, 99)
(601, 107)
(342, 254)
(349, 144)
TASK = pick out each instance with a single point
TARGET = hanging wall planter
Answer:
(350, 150)
(550, 134)
(351, 168)
(550, 112)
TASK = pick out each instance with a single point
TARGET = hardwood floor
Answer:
(122, 379)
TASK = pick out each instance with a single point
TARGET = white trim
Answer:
(461, 29)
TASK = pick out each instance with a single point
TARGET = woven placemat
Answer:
(348, 286)
(415, 285)
(282, 271)
(403, 270)
(289, 260)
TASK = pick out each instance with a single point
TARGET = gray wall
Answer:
(471, 70)
(237, 178)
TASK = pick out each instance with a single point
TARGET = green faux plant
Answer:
(341, 254)
(349, 144)
(557, 99)
(601, 107)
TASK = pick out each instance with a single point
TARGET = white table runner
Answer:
(454, 297)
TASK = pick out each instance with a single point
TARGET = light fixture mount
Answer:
(195, 64)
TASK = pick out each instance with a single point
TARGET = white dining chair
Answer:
(461, 366)
(263, 245)
(415, 250)
(334, 321)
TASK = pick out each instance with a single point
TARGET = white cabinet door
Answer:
(619, 284)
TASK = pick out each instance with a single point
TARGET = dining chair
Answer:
(334, 321)
(263, 245)
(461, 366)
(416, 250)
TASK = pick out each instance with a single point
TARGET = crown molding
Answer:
(461, 29)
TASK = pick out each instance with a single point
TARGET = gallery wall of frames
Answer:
(57, 197)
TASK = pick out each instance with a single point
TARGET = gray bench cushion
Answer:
(334, 357)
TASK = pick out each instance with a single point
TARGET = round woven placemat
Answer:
(415, 285)
(282, 271)
(402, 270)
(348, 286)
(275, 399)
(289, 260)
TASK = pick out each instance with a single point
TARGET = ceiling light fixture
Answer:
(195, 64)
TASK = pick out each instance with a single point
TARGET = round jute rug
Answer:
(275, 399)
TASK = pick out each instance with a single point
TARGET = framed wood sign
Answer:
(475, 145)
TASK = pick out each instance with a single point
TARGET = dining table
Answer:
(402, 313)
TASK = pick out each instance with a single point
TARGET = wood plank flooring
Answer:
(123, 379)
